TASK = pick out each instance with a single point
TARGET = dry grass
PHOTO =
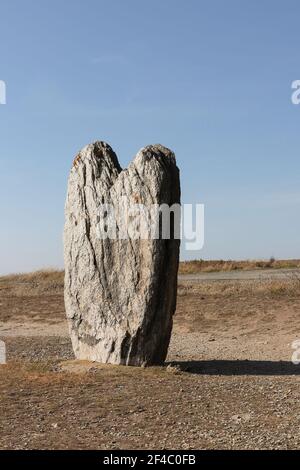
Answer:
(41, 276)
(288, 287)
(49, 282)
(197, 266)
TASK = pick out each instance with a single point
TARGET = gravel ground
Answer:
(228, 383)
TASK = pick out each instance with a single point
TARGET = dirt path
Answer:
(242, 275)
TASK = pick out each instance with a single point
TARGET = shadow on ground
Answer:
(238, 367)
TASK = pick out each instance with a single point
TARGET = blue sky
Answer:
(209, 79)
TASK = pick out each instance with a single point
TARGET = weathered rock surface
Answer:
(120, 295)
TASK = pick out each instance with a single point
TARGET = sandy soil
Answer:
(228, 383)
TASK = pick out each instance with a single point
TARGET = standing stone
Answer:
(120, 294)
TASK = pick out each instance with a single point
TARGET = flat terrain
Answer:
(229, 382)
(219, 265)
